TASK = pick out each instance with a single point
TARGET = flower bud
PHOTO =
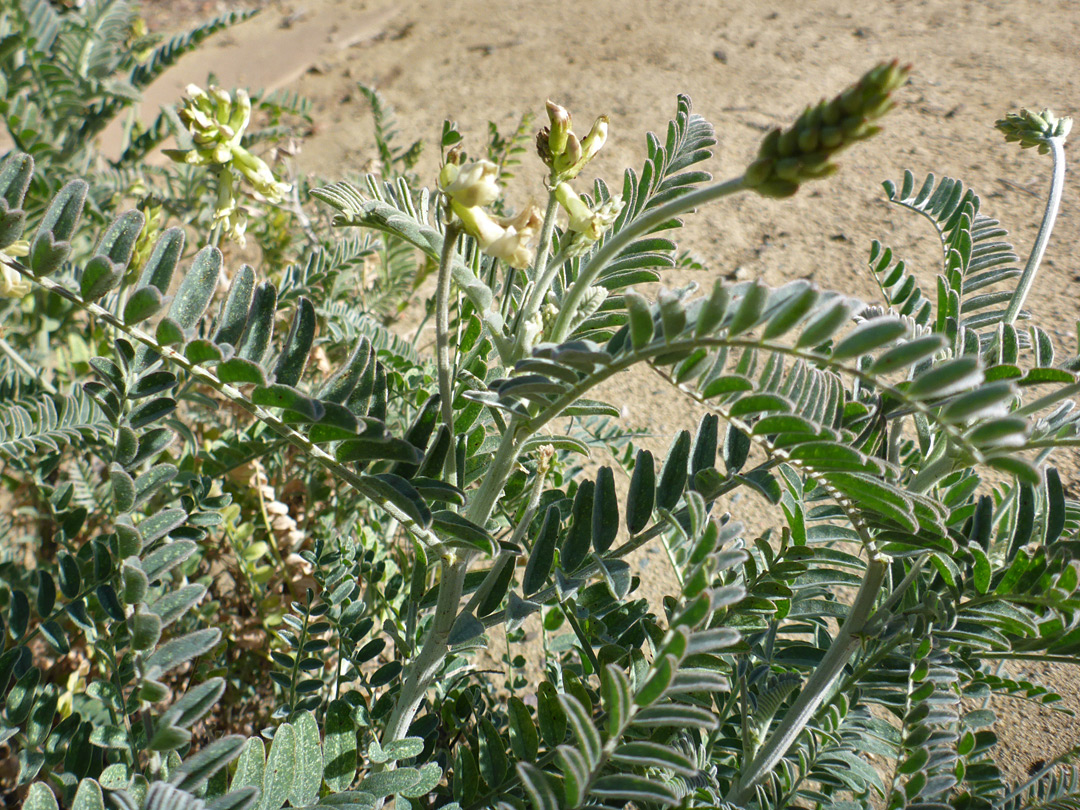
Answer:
(1031, 129)
(560, 128)
(596, 138)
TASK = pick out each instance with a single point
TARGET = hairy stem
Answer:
(543, 275)
(814, 692)
(615, 245)
(442, 338)
(423, 669)
(1053, 203)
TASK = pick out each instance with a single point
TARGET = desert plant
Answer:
(924, 539)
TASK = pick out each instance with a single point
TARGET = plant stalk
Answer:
(426, 665)
(1053, 203)
(814, 692)
(442, 337)
(615, 245)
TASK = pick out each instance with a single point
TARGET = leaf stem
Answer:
(543, 274)
(616, 243)
(1053, 203)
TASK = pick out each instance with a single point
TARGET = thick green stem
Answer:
(615, 245)
(1053, 203)
(426, 665)
(442, 337)
(816, 689)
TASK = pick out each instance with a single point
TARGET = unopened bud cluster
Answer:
(1031, 129)
(566, 156)
(803, 151)
(472, 186)
(561, 149)
(216, 122)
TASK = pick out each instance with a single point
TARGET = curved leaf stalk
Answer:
(231, 393)
(577, 391)
(1053, 203)
(612, 247)
(815, 690)
(442, 337)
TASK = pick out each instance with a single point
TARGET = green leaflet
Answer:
(196, 289)
(576, 545)
(294, 355)
(50, 245)
(642, 493)
(542, 554)
(234, 310)
(674, 472)
(255, 339)
(605, 511)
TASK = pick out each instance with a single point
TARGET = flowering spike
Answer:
(804, 151)
(216, 121)
(1031, 129)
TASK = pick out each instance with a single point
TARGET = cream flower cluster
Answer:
(472, 186)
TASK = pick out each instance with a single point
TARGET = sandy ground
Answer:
(748, 66)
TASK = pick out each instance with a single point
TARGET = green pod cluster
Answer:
(803, 151)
